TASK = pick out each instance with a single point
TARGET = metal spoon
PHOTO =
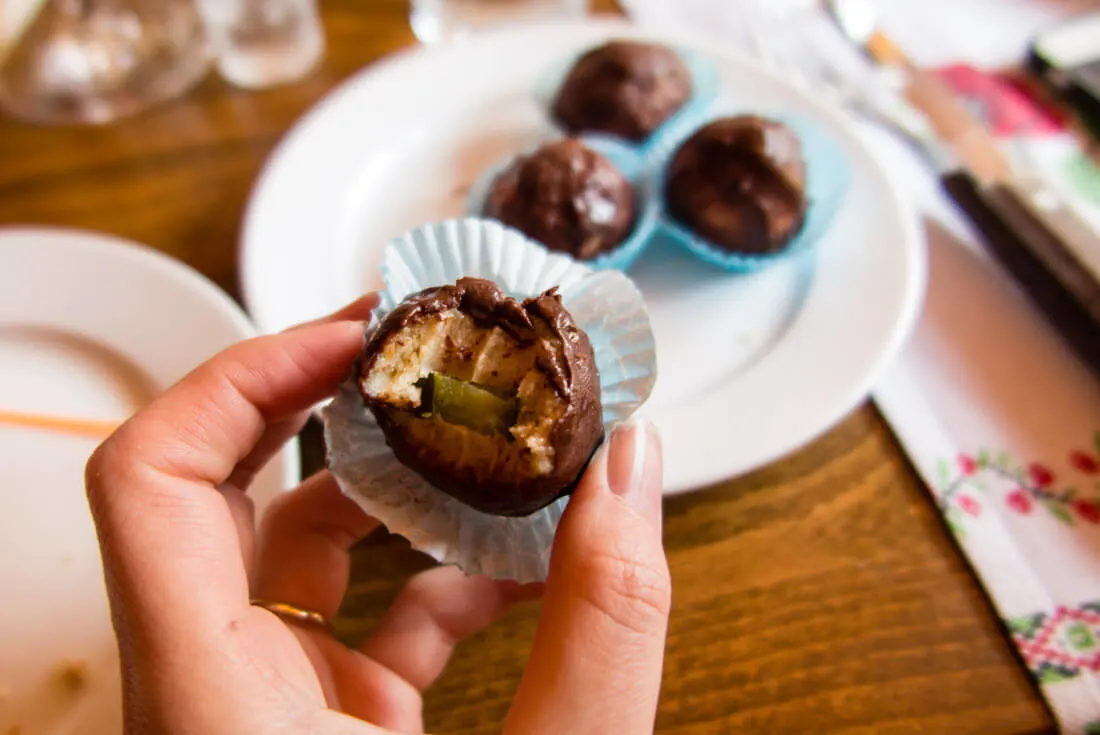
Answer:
(857, 19)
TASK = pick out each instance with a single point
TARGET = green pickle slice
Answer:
(467, 404)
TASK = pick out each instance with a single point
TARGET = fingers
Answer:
(302, 559)
(278, 433)
(271, 441)
(366, 689)
(164, 528)
(596, 662)
(302, 550)
(202, 427)
(357, 311)
(382, 683)
(434, 611)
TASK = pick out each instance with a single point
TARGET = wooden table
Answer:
(820, 594)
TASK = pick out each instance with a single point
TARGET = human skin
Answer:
(183, 558)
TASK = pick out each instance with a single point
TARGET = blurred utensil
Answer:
(954, 124)
(858, 20)
(970, 141)
(783, 40)
(94, 428)
(1027, 226)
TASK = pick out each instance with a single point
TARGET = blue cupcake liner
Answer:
(828, 178)
(704, 89)
(632, 164)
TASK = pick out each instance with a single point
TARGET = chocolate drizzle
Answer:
(564, 356)
(485, 303)
(566, 196)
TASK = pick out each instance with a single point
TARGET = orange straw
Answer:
(94, 428)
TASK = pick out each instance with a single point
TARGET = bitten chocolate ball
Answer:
(739, 182)
(493, 401)
(625, 88)
(566, 196)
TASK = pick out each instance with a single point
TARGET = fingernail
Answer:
(362, 308)
(634, 466)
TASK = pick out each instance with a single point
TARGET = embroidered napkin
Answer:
(997, 415)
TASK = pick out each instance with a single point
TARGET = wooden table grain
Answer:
(819, 594)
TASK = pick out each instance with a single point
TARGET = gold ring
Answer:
(294, 614)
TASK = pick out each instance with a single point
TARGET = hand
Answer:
(180, 552)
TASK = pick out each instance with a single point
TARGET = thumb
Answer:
(596, 663)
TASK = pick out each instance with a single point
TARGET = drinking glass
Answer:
(437, 20)
(93, 61)
(261, 43)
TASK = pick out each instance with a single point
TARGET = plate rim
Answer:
(109, 246)
(689, 479)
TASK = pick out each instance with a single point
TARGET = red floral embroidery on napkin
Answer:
(963, 491)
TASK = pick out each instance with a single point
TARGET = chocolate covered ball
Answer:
(739, 182)
(625, 88)
(566, 196)
(493, 401)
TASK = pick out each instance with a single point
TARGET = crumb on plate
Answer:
(72, 676)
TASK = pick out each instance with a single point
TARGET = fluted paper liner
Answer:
(605, 304)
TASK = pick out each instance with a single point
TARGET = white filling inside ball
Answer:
(453, 344)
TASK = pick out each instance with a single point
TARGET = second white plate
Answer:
(751, 367)
(91, 327)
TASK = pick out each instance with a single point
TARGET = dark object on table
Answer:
(739, 182)
(1066, 58)
(1037, 256)
(626, 88)
(566, 196)
(494, 402)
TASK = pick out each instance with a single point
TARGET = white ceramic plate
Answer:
(90, 326)
(750, 367)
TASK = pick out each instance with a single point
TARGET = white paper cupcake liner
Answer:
(605, 304)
